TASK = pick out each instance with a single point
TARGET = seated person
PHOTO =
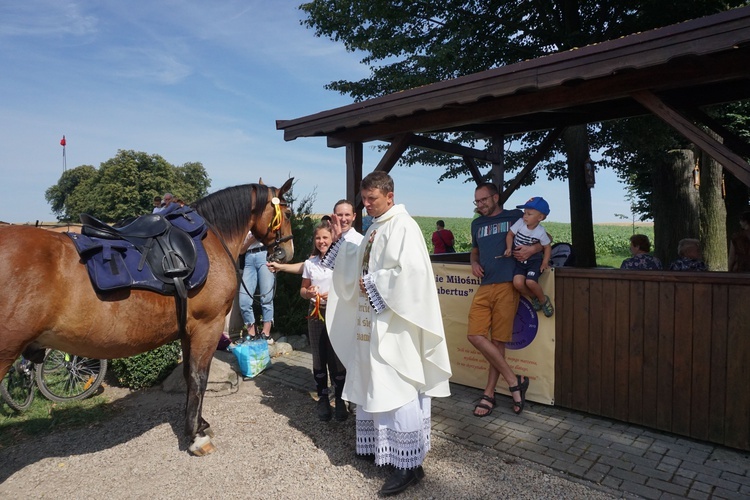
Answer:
(639, 248)
(689, 250)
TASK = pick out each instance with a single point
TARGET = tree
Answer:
(124, 186)
(57, 195)
(713, 215)
(192, 181)
(409, 44)
(658, 165)
(674, 193)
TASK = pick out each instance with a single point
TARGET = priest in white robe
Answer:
(386, 328)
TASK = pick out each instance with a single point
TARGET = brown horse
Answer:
(48, 300)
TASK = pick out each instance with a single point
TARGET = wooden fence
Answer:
(666, 350)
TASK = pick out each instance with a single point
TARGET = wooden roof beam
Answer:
(423, 142)
(731, 140)
(718, 151)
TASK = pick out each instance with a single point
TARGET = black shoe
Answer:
(341, 412)
(400, 480)
(324, 409)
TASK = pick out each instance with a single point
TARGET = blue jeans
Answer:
(256, 273)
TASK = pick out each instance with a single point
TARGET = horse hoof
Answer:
(201, 446)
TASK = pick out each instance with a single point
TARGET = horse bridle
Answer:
(277, 254)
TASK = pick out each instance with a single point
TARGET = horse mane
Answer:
(229, 210)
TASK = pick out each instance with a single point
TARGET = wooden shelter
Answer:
(670, 72)
(667, 351)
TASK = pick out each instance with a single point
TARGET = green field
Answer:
(611, 240)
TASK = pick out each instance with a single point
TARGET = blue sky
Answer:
(194, 81)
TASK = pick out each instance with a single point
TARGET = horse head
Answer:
(261, 209)
(274, 227)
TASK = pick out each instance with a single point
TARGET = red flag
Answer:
(62, 142)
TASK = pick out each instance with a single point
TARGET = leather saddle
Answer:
(169, 252)
(145, 226)
(164, 254)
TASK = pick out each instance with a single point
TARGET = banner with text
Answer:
(530, 353)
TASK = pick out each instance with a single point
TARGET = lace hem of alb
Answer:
(403, 450)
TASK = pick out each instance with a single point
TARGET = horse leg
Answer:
(10, 351)
(197, 363)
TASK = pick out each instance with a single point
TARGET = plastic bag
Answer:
(253, 357)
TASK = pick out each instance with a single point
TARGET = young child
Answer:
(527, 231)
(316, 281)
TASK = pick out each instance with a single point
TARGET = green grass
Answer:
(611, 240)
(44, 416)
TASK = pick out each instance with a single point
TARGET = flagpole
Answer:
(65, 161)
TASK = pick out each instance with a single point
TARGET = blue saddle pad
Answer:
(113, 264)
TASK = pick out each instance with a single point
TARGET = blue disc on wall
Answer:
(525, 325)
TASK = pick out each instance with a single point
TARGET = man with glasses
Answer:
(493, 308)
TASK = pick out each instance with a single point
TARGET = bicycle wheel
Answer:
(17, 387)
(63, 377)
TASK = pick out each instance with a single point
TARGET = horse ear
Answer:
(260, 181)
(286, 187)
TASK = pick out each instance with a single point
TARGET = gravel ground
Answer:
(270, 445)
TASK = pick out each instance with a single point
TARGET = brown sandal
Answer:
(483, 406)
(522, 387)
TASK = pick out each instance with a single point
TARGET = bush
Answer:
(147, 369)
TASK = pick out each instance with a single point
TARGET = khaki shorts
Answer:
(493, 311)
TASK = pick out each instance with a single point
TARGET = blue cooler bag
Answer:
(253, 357)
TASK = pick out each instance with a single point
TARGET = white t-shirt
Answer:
(525, 236)
(318, 275)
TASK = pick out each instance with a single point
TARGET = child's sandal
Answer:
(536, 304)
(547, 308)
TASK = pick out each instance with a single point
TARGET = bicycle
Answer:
(60, 377)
